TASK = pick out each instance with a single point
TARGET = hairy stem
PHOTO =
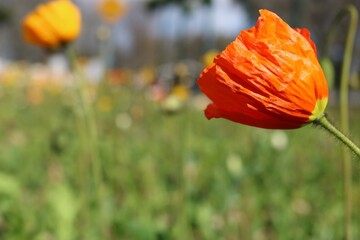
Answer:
(324, 123)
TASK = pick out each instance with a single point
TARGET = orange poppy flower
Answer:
(52, 24)
(269, 77)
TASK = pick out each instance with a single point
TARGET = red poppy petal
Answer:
(242, 105)
(256, 120)
(306, 34)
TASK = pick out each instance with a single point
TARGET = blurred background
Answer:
(138, 159)
(152, 28)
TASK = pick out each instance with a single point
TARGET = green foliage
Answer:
(174, 176)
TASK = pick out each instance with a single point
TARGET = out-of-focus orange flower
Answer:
(34, 96)
(52, 24)
(111, 10)
(114, 77)
(13, 74)
(269, 77)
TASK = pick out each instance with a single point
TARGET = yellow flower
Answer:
(181, 70)
(181, 92)
(147, 75)
(105, 104)
(209, 56)
(111, 10)
(52, 24)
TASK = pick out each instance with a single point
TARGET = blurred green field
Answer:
(163, 176)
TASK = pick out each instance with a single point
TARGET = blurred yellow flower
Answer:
(209, 56)
(147, 75)
(171, 104)
(52, 24)
(181, 70)
(111, 10)
(105, 104)
(176, 100)
(181, 92)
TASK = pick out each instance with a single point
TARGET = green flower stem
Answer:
(82, 164)
(324, 122)
(90, 133)
(352, 12)
(344, 111)
(90, 122)
(88, 117)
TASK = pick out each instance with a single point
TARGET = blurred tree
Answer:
(184, 4)
(5, 15)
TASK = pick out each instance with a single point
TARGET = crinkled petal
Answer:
(268, 77)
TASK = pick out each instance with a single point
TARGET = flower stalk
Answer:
(324, 123)
(90, 133)
(352, 12)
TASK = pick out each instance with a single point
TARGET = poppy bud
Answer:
(52, 24)
(268, 77)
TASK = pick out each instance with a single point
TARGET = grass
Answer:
(164, 176)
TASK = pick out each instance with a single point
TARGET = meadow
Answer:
(152, 173)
